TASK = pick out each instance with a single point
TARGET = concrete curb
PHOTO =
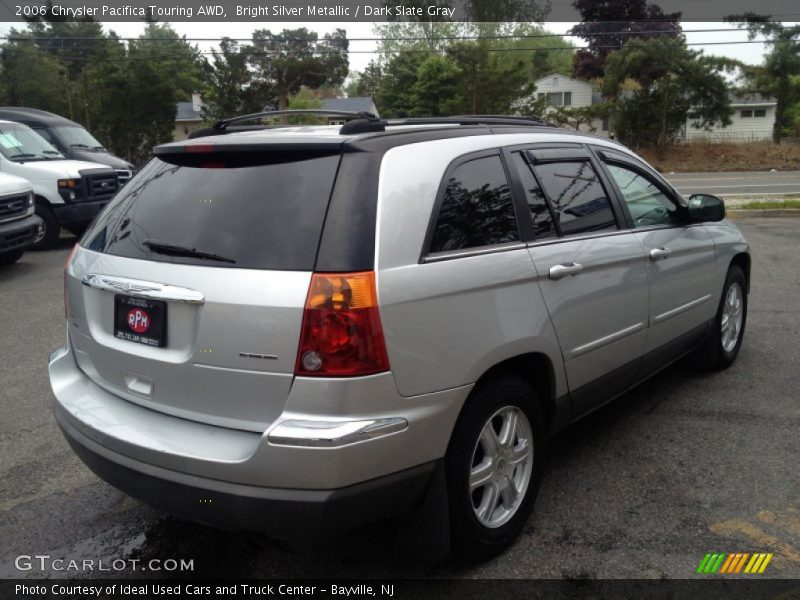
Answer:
(761, 213)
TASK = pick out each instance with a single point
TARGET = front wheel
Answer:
(52, 229)
(494, 466)
(727, 333)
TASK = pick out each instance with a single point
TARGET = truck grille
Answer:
(123, 176)
(13, 206)
(101, 186)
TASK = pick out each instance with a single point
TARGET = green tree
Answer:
(230, 86)
(397, 97)
(778, 76)
(607, 25)
(305, 98)
(367, 82)
(30, 76)
(296, 58)
(670, 79)
(437, 86)
(137, 95)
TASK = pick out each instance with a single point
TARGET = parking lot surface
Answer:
(688, 463)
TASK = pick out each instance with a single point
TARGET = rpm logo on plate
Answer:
(138, 320)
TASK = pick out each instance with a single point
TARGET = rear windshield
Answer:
(267, 216)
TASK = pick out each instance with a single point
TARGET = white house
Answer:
(188, 117)
(752, 119)
(563, 91)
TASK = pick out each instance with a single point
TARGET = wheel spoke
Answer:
(489, 439)
(481, 474)
(509, 494)
(519, 453)
(509, 430)
(489, 503)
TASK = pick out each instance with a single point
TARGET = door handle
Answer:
(562, 270)
(660, 253)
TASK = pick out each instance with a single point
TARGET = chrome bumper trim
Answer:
(333, 434)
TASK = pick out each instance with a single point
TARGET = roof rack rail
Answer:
(471, 120)
(223, 123)
(374, 124)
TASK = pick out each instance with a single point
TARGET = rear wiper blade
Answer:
(177, 250)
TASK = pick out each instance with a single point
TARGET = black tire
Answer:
(713, 355)
(470, 538)
(9, 258)
(52, 230)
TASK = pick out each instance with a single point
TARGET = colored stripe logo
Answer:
(734, 563)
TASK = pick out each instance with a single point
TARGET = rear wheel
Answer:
(726, 336)
(9, 258)
(52, 230)
(494, 466)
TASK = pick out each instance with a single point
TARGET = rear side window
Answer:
(579, 201)
(477, 209)
(263, 216)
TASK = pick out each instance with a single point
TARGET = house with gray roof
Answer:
(752, 120)
(188, 117)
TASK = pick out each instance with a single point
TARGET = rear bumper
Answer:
(80, 212)
(19, 234)
(297, 479)
(279, 513)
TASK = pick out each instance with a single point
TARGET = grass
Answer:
(768, 204)
(702, 157)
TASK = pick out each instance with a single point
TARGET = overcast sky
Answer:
(750, 53)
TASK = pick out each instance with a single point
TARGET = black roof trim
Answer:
(223, 123)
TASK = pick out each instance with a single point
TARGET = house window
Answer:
(746, 114)
(557, 99)
(555, 81)
(760, 112)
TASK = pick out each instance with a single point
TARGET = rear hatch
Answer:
(187, 293)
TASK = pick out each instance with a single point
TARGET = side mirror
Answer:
(705, 207)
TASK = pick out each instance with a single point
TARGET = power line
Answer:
(401, 50)
(379, 39)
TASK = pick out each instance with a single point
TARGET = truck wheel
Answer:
(9, 258)
(494, 465)
(52, 230)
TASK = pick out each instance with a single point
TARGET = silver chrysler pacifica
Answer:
(302, 330)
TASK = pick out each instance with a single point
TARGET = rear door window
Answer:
(578, 198)
(477, 209)
(261, 216)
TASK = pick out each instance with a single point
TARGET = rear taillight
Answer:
(342, 334)
(66, 268)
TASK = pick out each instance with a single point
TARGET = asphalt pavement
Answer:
(737, 184)
(686, 464)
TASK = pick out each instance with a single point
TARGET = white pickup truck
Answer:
(68, 193)
(19, 227)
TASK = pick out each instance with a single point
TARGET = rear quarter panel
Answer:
(448, 322)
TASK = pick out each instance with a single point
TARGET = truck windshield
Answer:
(77, 137)
(21, 143)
